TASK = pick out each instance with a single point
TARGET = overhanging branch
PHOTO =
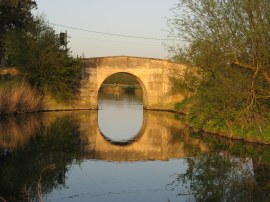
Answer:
(250, 67)
(266, 76)
(243, 65)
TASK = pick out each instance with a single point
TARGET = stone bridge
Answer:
(153, 75)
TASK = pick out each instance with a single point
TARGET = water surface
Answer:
(123, 153)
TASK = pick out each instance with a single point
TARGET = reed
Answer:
(17, 96)
(3, 199)
(50, 167)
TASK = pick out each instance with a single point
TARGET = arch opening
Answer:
(120, 104)
(130, 83)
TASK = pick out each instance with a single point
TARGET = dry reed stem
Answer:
(51, 167)
(3, 199)
(18, 97)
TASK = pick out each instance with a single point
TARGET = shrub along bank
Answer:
(18, 96)
(45, 62)
(227, 43)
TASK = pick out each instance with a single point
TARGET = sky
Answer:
(143, 18)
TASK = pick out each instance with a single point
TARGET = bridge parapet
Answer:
(125, 62)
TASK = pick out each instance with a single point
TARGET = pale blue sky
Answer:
(145, 18)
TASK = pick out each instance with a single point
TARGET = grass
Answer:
(236, 132)
(183, 105)
(17, 96)
(217, 125)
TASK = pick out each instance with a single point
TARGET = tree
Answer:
(228, 41)
(45, 63)
(14, 14)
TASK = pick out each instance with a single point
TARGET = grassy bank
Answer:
(216, 126)
(17, 96)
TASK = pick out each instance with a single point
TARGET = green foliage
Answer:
(228, 44)
(14, 14)
(189, 85)
(182, 105)
(45, 63)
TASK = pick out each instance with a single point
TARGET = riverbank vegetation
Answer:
(17, 96)
(32, 45)
(14, 15)
(227, 43)
(46, 64)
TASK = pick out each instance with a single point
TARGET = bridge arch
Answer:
(141, 83)
(154, 76)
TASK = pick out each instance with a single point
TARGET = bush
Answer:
(228, 44)
(46, 64)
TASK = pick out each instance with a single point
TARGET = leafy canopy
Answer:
(228, 42)
(14, 14)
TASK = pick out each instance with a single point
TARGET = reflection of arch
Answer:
(141, 125)
(161, 138)
(142, 85)
(130, 141)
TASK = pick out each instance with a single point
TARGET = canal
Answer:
(124, 153)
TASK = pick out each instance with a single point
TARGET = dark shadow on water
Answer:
(38, 145)
(120, 143)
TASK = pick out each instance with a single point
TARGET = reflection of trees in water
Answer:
(215, 177)
(16, 131)
(230, 171)
(57, 144)
(192, 145)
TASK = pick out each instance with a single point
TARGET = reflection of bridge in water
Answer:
(160, 138)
